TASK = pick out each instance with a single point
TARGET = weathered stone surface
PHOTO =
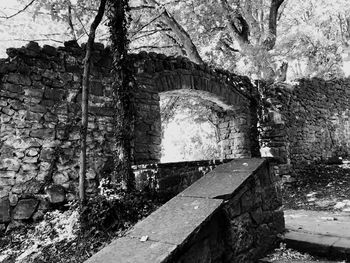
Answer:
(221, 185)
(16, 78)
(60, 178)
(224, 180)
(13, 198)
(40, 115)
(10, 164)
(42, 133)
(56, 193)
(25, 209)
(176, 220)
(315, 119)
(123, 250)
(4, 210)
(7, 178)
(225, 233)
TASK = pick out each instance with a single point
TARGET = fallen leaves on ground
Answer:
(319, 187)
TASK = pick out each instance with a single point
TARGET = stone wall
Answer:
(156, 73)
(306, 123)
(40, 113)
(40, 95)
(172, 178)
(232, 214)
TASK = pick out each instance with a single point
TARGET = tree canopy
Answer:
(255, 38)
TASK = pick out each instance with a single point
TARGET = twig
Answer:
(20, 11)
(26, 40)
(151, 32)
(141, 7)
(145, 25)
(154, 47)
(81, 22)
(70, 20)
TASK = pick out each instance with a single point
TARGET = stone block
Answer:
(46, 154)
(42, 133)
(247, 201)
(49, 50)
(4, 210)
(25, 176)
(17, 78)
(123, 249)
(12, 87)
(60, 178)
(30, 160)
(10, 164)
(25, 209)
(176, 220)
(32, 152)
(4, 191)
(13, 198)
(33, 116)
(54, 94)
(37, 108)
(56, 193)
(29, 167)
(34, 46)
(7, 178)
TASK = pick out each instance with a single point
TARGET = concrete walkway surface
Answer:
(321, 233)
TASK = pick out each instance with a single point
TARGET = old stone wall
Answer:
(156, 73)
(232, 214)
(40, 95)
(307, 122)
(172, 178)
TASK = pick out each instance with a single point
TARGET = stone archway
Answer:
(157, 74)
(40, 114)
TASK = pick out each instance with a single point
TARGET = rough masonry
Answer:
(232, 214)
(40, 95)
(305, 123)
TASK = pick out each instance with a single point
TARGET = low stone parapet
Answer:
(231, 214)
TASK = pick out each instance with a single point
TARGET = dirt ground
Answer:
(320, 188)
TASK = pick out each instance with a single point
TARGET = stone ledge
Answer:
(176, 220)
(203, 229)
(123, 250)
(224, 180)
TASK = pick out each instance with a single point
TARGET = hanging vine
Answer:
(118, 15)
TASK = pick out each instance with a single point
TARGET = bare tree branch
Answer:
(152, 47)
(27, 40)
(240, 34)
(271, 39)
(227, 45)
(81, 23)
(150, 33)
(181, 33)
(145, 25)
(70, 20)
(141, 7)
(20, 11)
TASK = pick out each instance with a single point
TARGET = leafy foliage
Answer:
(104, 213)
(190, 130)
(66, 236)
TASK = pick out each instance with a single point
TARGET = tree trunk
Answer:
(122, 94)
(271, 40)
(85, 100)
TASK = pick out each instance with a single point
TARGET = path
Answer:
(321, 233)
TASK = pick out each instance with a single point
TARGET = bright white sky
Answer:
(19, 30)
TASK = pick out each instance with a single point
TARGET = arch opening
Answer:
(190, 128)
